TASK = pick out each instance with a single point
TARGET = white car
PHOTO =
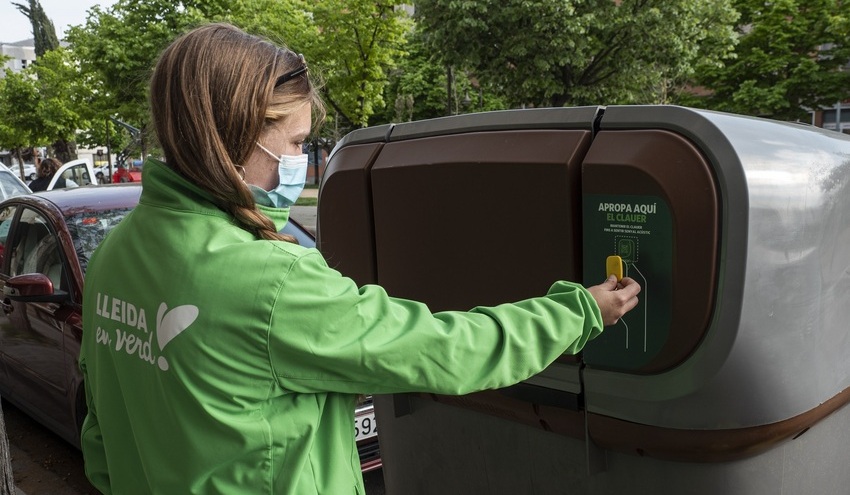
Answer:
(102, 174)
(76, 173)
(30, 171)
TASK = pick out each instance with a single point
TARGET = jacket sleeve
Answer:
(328, 335)
(91, 443)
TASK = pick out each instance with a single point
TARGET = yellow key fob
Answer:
(614, 266)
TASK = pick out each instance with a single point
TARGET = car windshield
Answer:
(88, 229)
(10, 186)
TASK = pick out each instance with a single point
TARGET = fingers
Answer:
(615, 299)
(628, 294)
(630, 303)
(630, 286)
(610, 284)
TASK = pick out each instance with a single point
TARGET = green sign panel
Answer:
(639, 230)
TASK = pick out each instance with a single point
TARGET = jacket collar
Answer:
(163, 186)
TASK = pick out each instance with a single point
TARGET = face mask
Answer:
(293, 176)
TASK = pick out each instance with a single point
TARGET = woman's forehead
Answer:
(298, 122)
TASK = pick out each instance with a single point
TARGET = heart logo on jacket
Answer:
(170, 324)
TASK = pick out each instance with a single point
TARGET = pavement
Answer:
(306, 215)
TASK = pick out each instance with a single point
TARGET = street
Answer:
(44, 464)
(306, 216)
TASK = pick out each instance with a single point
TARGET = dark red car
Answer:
(46, 240)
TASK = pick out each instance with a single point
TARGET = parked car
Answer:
(11, 184)
(102, 174)
(46, 240)
(30, 171)
(75, 172)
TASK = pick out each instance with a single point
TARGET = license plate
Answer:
(365, 426)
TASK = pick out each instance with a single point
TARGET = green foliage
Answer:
(559, 52)
(791, 58)
(376, 65)
(63, 93)
(54, 118)
(359, 42)
(418, 89)
(18, 105)
(351, 46)
(117, 48)
(102, 132)
(42, 104)
(285, 22)
(43, 31)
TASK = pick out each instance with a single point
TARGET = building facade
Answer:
(20, 55)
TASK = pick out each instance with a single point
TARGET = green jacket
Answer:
(218, 363)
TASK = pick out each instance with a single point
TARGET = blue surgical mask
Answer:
(293, 175)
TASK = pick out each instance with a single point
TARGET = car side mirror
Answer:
(33, 287)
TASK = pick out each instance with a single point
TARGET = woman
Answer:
(219, 356)
(46, 170)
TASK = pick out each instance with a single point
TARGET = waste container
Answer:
(731, 374)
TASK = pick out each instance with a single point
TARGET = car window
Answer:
(11, 186)
(75, 176)
(36, 249)
(6, 215)
(90, 228)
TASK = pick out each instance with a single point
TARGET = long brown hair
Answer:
(212, 94)
(48, 167)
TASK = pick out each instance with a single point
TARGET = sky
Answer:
(14, 26)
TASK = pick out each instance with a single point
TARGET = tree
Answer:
(64, 94)
(46, 41)
(350, 45)
(791, 58)
(118, 46)
(21, 123)
(558, 52)
(104, 133)
(43, 31)
(417, 88)
(359, 43)
(287, 23)
(44, 103)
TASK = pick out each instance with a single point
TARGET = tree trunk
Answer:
(20, 163)
(7, 480)
(64, 150)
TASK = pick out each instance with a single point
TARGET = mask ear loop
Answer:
(274, 157)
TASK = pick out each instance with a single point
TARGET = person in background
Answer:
(46, 170)
(232, 361)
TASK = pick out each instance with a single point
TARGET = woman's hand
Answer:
(615, 299)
